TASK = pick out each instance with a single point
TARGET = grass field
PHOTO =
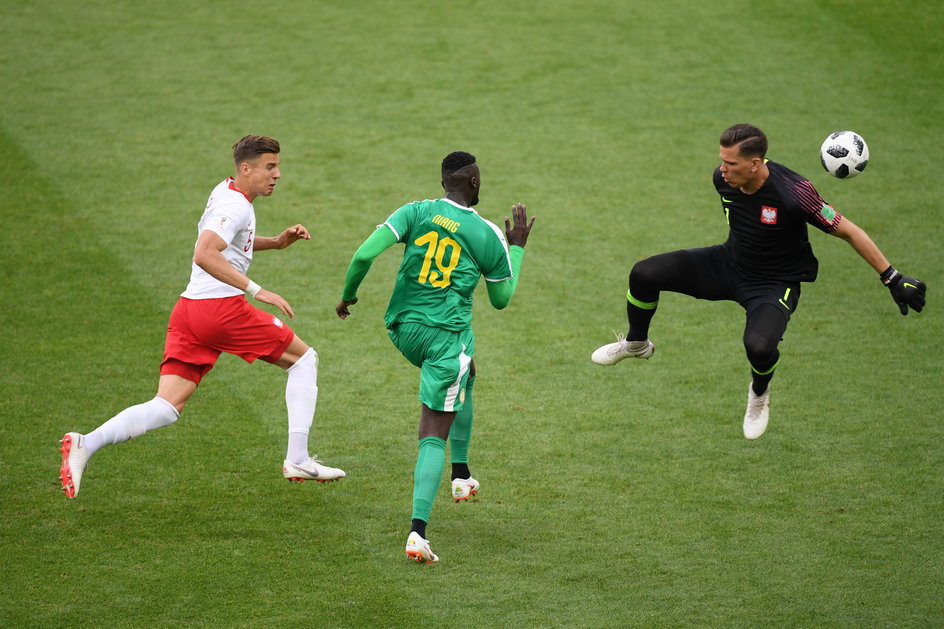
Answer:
(616, 497)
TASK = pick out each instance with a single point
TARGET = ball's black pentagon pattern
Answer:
(861, 165)
(838, 151)
(859, 144)
(842, 172)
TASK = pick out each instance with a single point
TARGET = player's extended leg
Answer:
(172, 394)
(460, 434)
(762, 334)
(430, 462)
(674, 271)
(301, 398)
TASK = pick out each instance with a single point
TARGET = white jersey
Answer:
(230, 214)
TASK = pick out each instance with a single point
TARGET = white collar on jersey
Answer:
(461, 207)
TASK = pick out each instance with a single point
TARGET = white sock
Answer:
(131, 422)
(301, 397)
(297, 447)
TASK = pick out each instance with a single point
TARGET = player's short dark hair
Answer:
(750, 140)
(456, 161)
(253, 146)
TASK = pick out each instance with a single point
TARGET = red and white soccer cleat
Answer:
(74, 459)
(464, 488)
(418, 549)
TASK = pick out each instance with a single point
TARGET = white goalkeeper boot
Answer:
(757, 413)
(612, 353)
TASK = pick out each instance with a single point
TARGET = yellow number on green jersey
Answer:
(436, 249)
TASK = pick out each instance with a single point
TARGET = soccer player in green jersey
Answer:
(448, 246)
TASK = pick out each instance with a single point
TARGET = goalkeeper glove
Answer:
(906, 291)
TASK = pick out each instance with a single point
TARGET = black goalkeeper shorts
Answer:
(710, 273)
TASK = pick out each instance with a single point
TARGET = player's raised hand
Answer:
(518, 235)
(342, 308)
(268, 297)
(291, 234)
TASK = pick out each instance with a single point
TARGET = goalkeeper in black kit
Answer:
(761, 265)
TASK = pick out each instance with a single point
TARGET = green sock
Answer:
(460, 434)
(430, 461)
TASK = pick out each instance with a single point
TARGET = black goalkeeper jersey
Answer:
(767, 230)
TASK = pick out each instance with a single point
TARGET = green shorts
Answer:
(443, 357)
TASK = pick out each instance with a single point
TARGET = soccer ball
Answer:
(844, 154)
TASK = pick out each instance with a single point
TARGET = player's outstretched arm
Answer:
(382, 239)
(863, 245)
(288, 236)
(500, 293)
(906, 291)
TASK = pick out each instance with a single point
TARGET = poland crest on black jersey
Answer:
(767, 230)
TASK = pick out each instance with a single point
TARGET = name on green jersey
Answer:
(448, 223)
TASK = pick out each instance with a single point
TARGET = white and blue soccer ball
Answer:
(844, 154)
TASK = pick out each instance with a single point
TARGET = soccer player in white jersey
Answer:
(213, 316)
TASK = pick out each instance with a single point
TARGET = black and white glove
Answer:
(906, 291)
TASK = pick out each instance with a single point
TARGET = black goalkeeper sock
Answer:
(639, 319)
(761, 382)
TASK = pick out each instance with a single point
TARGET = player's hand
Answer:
(291, 234)
(268, 297)
(518, 235)
(342, 308)
(906, 291)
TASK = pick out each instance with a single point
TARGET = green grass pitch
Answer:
(620, 497)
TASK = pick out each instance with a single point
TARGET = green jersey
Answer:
(448, 247)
